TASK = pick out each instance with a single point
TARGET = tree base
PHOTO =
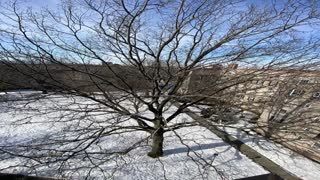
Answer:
(155, 155)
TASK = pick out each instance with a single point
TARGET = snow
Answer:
(199, 154)
(190, 152)
(295, 163)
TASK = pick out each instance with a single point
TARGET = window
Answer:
(295, 92)
(258, 99)
(240, 96)
(273, 83)
(316, 95)
(250, 99)
(271, 118)
(282, 111)
(316, 145)
(307, 105)
(260, 82)
(304, 81)
(266, 83)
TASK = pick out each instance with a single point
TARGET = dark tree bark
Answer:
(157, 139)
(157, 143)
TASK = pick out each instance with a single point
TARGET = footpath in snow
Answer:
(289, 160)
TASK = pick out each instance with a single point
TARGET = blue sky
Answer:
(42, 3)
(53, 4)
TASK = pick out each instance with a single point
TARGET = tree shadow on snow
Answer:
(197, 148)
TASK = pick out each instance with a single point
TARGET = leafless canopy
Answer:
(132, 58)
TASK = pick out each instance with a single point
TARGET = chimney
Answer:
(232, 66)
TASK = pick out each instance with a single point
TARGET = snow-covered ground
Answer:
(292, 162)
(190, 152)
(295, 163)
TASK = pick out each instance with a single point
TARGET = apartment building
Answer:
(286, 102)
(289, 105)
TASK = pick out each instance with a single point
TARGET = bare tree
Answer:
(133, 58)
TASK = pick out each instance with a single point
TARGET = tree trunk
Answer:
(157, 143)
